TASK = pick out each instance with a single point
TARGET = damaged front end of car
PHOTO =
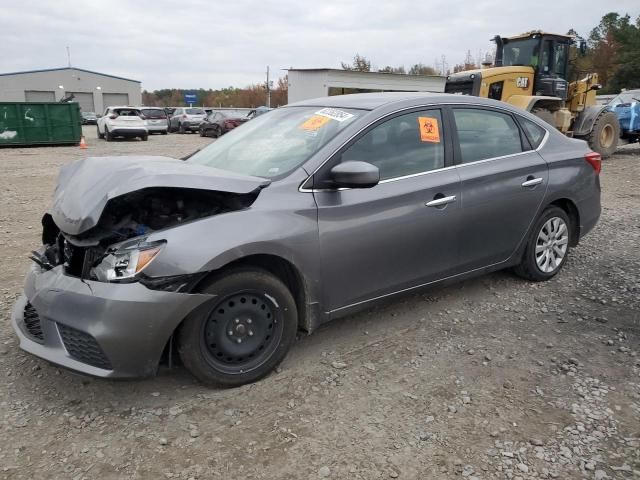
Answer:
(88, 304)
(116, 248)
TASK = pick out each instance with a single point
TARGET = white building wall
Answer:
(306, 84)
(12, 87)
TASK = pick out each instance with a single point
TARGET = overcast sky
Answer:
(212, 44)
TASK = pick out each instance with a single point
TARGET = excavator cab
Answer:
(547, 54)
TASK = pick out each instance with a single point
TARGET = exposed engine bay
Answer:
(131, 215)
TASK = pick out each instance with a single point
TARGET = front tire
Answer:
(107, 135)
(245, 334)
(180, 128)
(100, 135)
(548, 246)
(605, 134)
(144, 138)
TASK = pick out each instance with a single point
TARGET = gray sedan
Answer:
(311, 212)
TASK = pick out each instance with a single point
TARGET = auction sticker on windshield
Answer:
(334, 114)
(315, 123)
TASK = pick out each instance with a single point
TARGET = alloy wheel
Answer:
(552, 244)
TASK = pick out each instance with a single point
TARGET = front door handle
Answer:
(438, 202)
(532, 182)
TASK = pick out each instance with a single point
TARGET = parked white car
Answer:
(127, 122)
(155, 119)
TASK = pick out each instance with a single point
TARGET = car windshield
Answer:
(195, 111)
(153, 113)
(273, 145)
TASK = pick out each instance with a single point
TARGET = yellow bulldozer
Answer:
(531, 71)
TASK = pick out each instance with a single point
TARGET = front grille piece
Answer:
(32, 322)
(83, 347)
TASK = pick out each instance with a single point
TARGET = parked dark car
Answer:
(314, 211)
(89, 118)
(217, 124)
(256, 112)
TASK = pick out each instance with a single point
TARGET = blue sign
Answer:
(190, 98)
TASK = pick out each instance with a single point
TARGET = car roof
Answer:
(371, 101)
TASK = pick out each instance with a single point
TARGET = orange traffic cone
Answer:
(83, 144)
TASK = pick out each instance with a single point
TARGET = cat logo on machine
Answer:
(522, 82)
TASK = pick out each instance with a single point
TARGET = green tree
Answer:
(389, 69)
(359, 64)
(421, 69)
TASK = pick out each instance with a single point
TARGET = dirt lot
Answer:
(492, 378)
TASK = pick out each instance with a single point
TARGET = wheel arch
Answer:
(573, 213)
(285, 271)
(584, 122)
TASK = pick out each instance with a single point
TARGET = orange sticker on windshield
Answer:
(429, 131)
(315, 123)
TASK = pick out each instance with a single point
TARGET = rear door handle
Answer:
(532, 182)
(438, 202)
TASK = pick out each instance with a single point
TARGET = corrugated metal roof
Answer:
(69, 68)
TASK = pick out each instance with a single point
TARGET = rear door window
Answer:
(484, 133)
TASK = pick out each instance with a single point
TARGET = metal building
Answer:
(92, 90)
(308, 83)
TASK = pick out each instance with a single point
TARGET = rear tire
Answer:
(547, 248)
(107, 135)
(144, 138)
(605, 134)
(245, 334)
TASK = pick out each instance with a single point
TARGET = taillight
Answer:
(113, 116)
(595, 160)
(184, 116)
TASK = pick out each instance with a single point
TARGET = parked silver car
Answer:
(313, 211)
(186, 119)
(155, 119)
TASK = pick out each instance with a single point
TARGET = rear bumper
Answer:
(157, 128)
(128, 132)
(589, 209)
(101, 329)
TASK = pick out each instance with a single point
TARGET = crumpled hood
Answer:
(85, 186)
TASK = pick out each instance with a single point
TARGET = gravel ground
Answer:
(491, 378)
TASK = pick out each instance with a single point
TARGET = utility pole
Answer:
(68, 56)
(268, 89)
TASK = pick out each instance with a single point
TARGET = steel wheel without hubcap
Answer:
(551, 244)
(241, 332)
(607, 136)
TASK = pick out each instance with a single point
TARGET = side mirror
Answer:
(353, 174)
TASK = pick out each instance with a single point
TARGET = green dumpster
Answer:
(26, 123)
